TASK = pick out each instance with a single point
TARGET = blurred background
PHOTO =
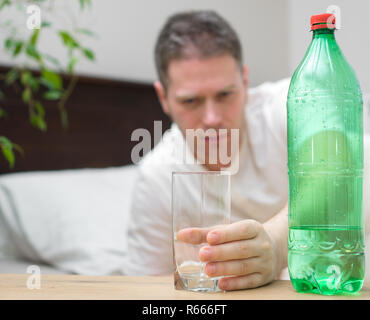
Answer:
(114, 93)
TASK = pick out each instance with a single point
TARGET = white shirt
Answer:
(258, 190)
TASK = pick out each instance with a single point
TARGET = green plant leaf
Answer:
(71, 64)
(41, 124)
(9, 155)
(2, 113)
(27, 79)
(38, 122)
(7, 150)
(26, 75)
(4, 141)
(86, 32)
(53, 79)
(11, 76)
(83, 2)
(34, 37)
(9, 145)
(68, 40)
(8, 43)
(38, 119)
(46, 83)
(45, 24)
(40, 109)
(26, 95)
(88, 54)
(3, 3)
(18, 148)
(52, 95)
(32, 52)
(18, 46)
(53, 60)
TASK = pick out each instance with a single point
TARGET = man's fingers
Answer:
(246, 229)
(249, 281)
(192, 235)
(195, 235)
(241, 230)
(234, 267)
(231, 251)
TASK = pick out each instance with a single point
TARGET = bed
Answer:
(64, 206)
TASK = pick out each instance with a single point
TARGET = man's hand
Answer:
(247, 252)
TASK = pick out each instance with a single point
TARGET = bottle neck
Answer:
(323, 33)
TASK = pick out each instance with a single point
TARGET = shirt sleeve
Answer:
(150, 225)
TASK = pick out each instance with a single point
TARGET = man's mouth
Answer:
(215, 138)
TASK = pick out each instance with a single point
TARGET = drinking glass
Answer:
(199, 200)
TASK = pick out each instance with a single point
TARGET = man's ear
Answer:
(161, 93)
(245, 77)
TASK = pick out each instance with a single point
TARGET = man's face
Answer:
(205, 94)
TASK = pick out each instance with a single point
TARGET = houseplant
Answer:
(36, 75)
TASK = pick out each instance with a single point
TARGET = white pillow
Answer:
(75, 220)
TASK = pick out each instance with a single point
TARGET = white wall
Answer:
(274, 33)
(353, 38)
(127, 31)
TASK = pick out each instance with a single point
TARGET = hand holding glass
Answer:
(199, 200)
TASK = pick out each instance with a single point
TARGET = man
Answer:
(203, 84)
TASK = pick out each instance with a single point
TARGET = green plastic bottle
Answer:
(325, 165)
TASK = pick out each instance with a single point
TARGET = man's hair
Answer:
(201, 34)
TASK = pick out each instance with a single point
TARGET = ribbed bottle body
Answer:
(325, 166)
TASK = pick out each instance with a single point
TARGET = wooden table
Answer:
(73, 287)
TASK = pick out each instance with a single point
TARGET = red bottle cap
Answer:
(324, 20)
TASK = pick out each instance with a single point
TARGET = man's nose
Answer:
(212, 116)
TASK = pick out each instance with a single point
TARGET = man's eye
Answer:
(224, 94)
(189, 101)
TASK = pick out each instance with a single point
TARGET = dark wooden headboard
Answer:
(102, 115)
